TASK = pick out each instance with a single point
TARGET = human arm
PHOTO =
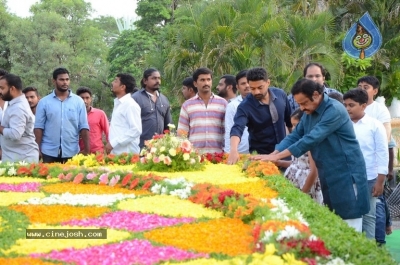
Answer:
(86, 141)
(382, 158)
(233, 153)
(38, 138)
(388, 129)
(184, 122)
(167, 118)
(377, 190)
(312, 176)
(105, 126)
(16, 125)
(229, 116)
(273, 157)
(283, 163)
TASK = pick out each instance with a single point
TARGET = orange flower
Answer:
(53, 214)
(78, 178)
(227, 236)
(25, 260)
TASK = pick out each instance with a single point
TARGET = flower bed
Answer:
(221, 215)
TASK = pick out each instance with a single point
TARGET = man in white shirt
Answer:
(244, 90)
(382, 114)
(371, 136)
(126, 123)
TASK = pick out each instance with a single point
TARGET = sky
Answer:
(114, 8)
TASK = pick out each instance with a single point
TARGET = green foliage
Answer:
(127, 54)
(353, 70)
(325, 225)
(153, 13)
(13, 227)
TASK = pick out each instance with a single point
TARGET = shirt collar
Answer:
(124, 98)
(199, 98)
(69, 93)
(15, 100)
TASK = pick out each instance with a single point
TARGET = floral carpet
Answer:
(218, 215)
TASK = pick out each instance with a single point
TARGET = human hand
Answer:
(233, 157)
(271, 157)
(377, 190)
(108, 148)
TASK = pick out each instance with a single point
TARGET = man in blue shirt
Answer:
(328, 133)
(265, 112)
(60, 119)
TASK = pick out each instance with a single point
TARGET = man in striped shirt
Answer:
(202, 117)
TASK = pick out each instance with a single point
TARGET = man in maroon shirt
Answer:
(98, 122)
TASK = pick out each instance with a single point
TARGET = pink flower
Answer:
(78, 178)
(156, 159)
(167, 160)
(61, 176)
(103, 179)
(68, 177)
(21, 187)
(114, 180)
(91, 176)
(186, 146)
(143, 160)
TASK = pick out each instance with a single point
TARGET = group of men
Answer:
(63, 124)
(247, 115)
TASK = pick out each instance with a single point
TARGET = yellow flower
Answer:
(172, 152)
(161, 157)
(149, 156)
(8, 198)
(162, 148)
(291, 259)
(270, 249)
(170, 205)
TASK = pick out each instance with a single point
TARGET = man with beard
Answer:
(155, 108)
(265, 113)
(202, 117)
(126, 126)
(17, 124)
(3, 105)
(98, 123)
(32, 96)
(227, 87)
(60, 119)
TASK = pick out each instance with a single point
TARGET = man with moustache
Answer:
(265, 113)
(227, 87)
(17, 124)
(155, 107)
(98, 123)
(327, 132)
(244, 89)
(32, 95)
(202, 117)
(60, 119)
(126, 126)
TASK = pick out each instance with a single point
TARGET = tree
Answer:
(5, 19)
(127, 54)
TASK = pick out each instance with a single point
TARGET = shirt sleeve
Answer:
(17, 126)
(40, 116)
(83, 121)
(330, 121)
(229, 116)
(240, 122)
(134, 122)
(183, 123)
(168, 118)
(381, 149)
(105, 126)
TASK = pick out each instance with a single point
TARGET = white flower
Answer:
(80, 199)
(338, 261)
(164, 190)
(2, 171)
(12, 171)
(267, 236)
(171, 126)
(288, 232)
(162, 149)
(156, 188)
(153, 150)
(186, 156)
(22, 163)
(313, 238)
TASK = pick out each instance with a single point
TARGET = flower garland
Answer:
(21, 187)
(261, 168)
